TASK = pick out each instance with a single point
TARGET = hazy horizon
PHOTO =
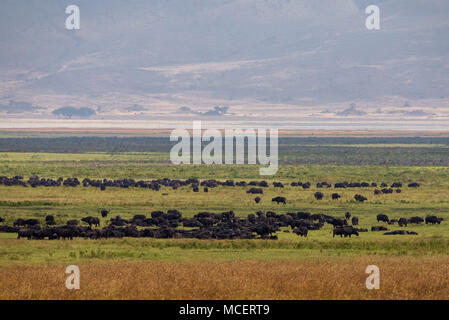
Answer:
(283, 63)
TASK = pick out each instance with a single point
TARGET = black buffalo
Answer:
(25, 233)
(346, 231)
(91, 221)
(378, 228)
(318, 195)
(336, 222)
(255, 191)
(400, 232)
(335, 196)
(50, 220)
(279, 200)
(402, 222)
(382, 217)
(416, 220)
(433, 220)
(301, 231)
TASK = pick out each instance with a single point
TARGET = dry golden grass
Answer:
(401, 278)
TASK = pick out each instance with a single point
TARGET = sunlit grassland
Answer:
(67, 203)
(20, 252)
(149, 165)
(316, 267)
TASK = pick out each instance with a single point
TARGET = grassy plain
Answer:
(289, 268)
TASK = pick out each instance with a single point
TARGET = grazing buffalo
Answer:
(335, 196)
(318, 195)
(66, 232)
(347, 215)
(25, 233)
(414, 185)
(91, 221)
(433, 220)
(360, 198)
(301, 231)
(346, 231)
(402, 222)
(323, 184)
(382, 217)
(305, 185)
(416, 220)
(50, 221)
(355, 221)
(400, 232)
(104, 213)
(257, 199)
(255, 191)
(279, 200)
(378, 228)
(118, 221)
(139, 220)
(206, 189)
(377, 192)
(392, 221)
(337, 222)
(1, 219)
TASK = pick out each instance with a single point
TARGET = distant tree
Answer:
(184, 109)
(216, 111)
(351, 111)
(69, 112)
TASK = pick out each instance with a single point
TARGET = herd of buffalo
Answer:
(193, 183)
(204, 225)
